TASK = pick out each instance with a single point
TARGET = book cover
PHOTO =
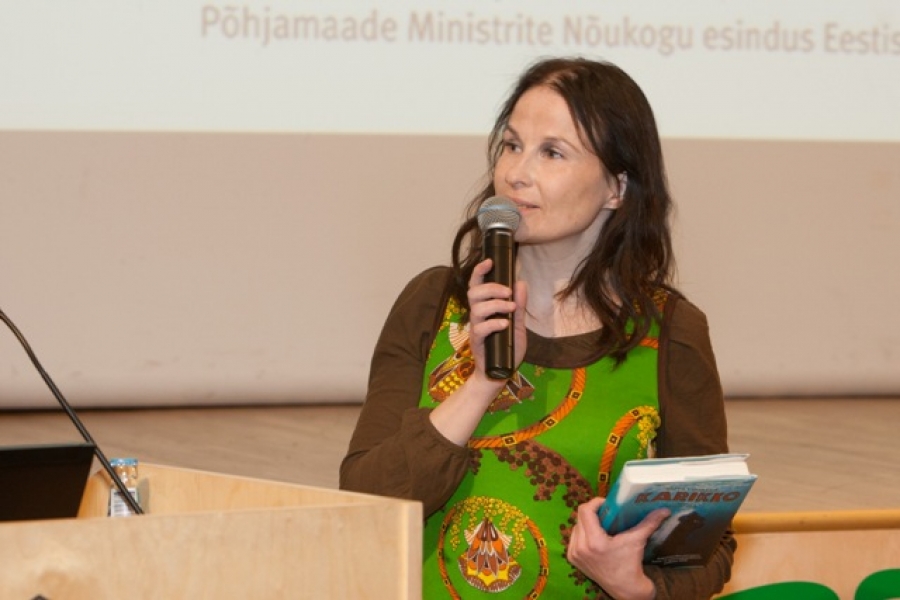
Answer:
(703, 494)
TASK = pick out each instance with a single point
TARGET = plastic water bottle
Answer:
(127, 470)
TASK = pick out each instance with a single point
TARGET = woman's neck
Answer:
(548, 268)
(548, 313)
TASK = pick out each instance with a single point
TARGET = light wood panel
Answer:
(839, 559)
(810, 454)
(220, 536)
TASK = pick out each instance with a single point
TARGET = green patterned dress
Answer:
(552, 439)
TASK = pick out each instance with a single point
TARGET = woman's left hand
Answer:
(614, 562)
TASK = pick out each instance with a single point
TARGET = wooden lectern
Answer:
(215, 536)
(212, 536)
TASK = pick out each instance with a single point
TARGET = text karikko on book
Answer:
(702, 493)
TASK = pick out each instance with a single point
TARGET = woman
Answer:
(613, 364)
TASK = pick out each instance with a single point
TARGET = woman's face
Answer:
(559, 185)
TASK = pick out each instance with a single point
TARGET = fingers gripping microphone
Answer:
(498, 219)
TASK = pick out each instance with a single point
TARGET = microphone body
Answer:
(498, 219)
(499, 347)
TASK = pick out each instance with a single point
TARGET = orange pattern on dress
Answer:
(614, 440)
(500, 544)
(486, 563)
(451, 373)
(650, 342)
(576, 389)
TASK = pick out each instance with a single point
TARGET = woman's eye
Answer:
(510, 145)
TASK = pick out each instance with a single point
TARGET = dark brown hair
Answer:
(632, 257)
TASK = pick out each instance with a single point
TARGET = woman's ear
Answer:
(621, 183)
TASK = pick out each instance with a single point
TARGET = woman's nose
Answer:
(518, 170)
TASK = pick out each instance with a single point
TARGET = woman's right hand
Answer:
(486, 300)
(458, 416)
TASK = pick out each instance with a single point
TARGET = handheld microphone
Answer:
(498, 219)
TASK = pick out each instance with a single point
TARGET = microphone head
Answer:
(498, 213)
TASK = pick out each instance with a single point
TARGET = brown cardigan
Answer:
(396, 451)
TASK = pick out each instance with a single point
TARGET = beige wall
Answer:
(219, 268)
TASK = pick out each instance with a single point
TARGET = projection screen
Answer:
(216, 203)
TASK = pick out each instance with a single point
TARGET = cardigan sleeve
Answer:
(395, 450)
(692, 411)
(692, 406)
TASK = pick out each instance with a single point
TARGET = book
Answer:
(703, 494)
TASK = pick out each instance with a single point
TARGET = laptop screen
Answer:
(43, 481)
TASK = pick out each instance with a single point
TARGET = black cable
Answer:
(129, 499)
